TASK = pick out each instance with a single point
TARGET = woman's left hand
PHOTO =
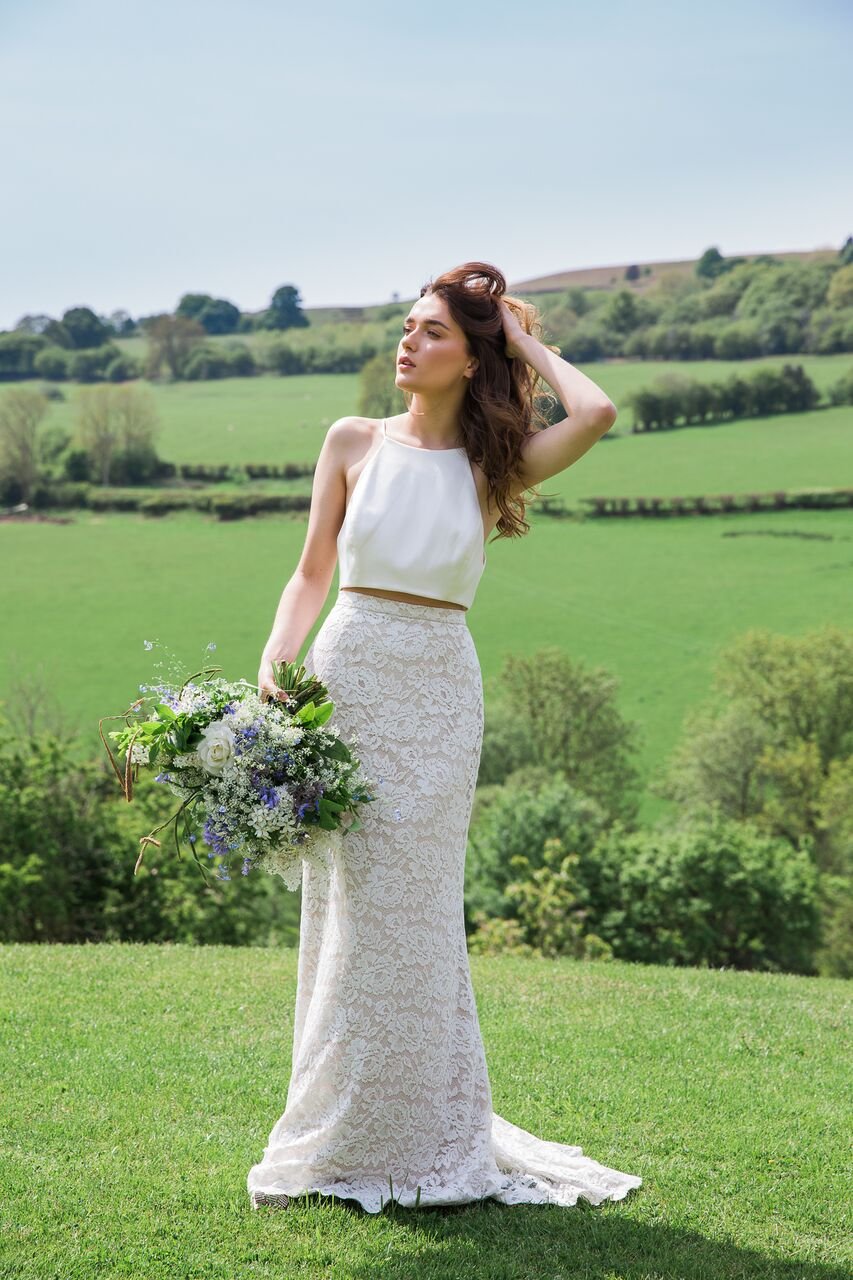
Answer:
(513, 331)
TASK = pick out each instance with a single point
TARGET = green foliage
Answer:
(215, 315)
(710, 264)
(673, 400)
(516, 820)
(52, 362)
(568, 722)
(122, 368)
(91, 365)
(69, 844)
(762, 748)
(715, 893)
(85, 329)
(494, 936)
(378, 397)
(549, 906)
(18, 352)
(841, 391)
(285, 310)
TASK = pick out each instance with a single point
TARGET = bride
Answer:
(389, 1093)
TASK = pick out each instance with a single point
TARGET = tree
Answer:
(85, 328)
(573, 727)
(171, 339)
(845, 253)
(621, 312)
(21, 414)
(113, 421)
(709, 265)
(215, 315)
(632, 272)
(379, 396)
(285, 310)
(840, 291)
(765, 749)
(121, 323)
(33, 323)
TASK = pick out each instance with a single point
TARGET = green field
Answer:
(275, 420)
(140, 1084)
(653, 601)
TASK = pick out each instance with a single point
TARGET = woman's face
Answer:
(436, 346)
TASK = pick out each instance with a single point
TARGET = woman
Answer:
(389, 1093)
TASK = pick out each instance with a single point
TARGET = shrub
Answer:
(515, 820)
(715, 893)
(52, 362)
(70, 842)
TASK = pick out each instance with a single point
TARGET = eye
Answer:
(432, 333)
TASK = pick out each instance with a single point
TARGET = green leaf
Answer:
(324, 711)
(165, 712)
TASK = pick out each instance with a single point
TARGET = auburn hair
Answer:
(499, 410)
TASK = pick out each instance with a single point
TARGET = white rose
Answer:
(216, 747)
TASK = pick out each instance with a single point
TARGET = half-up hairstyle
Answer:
(499, 410)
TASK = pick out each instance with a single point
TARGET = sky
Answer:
(356, 151)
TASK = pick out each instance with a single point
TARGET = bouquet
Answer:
(270, 782)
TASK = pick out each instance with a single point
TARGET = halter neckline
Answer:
(456, 448)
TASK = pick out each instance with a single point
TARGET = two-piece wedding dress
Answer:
(389, 1093)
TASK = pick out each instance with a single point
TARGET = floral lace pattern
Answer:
(389, 1092)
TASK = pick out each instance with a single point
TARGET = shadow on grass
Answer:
(583, 1242)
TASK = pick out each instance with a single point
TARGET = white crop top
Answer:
(413, 524)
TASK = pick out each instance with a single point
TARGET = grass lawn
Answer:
(141, 1082)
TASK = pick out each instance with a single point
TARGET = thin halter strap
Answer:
(384, 432)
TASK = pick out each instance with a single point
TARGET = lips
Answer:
(405, 362)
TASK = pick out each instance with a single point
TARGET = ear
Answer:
(473, 366)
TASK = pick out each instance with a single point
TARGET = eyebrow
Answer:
(432, 320)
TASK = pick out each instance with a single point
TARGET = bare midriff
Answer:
(400, 595)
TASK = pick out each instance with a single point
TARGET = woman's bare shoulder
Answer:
(351, 437)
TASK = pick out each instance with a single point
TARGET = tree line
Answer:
(728, 309)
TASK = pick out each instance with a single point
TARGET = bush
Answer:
(77, 465)
(515, 820)
(715, 893)
(136, 464)
(90, 365)
(69, 844)
(841, 391)
(121, 369)
(52, 362)
(547, 898)
(52, 494)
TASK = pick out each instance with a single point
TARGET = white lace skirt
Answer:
(389, 1093)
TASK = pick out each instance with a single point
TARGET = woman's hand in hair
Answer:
(513, 331)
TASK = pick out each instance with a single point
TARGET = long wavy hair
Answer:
(500, 407)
